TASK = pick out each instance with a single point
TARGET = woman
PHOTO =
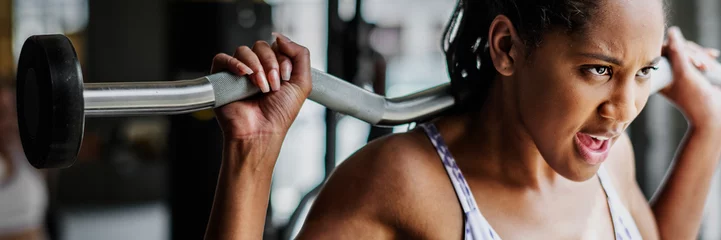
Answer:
(536, 150)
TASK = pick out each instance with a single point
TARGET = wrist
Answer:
(251, 154)
(251, 140)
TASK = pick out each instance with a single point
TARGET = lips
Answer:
(593, 148)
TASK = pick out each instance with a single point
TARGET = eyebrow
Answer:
(613, 60)
(655, 60)
(602, 58)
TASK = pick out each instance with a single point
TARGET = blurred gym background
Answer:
(154, 177)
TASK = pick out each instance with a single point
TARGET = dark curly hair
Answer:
(465, 40)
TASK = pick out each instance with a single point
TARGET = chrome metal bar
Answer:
(664, 75)
(148, 98)
(344, 97)
(417, 106)
(177, 97)
(184, 96)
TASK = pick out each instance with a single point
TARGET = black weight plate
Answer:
(50, 105)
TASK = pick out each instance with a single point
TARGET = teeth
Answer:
(600, 138)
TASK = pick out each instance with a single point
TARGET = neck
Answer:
(493, 143)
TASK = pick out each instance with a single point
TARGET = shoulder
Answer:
(389, 183)
(387, 171)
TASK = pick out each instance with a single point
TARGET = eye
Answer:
(646, 72)
(599, 70)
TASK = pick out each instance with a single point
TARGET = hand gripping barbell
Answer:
(53, 101)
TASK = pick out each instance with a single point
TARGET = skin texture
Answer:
(517, 153)
(253, 133)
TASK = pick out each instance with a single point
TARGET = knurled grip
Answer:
(330, 91)
(228, 87)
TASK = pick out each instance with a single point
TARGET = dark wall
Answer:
(126, 41)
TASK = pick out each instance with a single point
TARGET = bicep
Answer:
(350, 205)
(334, 215)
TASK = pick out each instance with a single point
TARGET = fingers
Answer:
(270, 63)
(677, 51)
(714, 53)
(250, 59)
(711, 52)
(286, 67)
(224, 61)
(300, 59)
(697, 55)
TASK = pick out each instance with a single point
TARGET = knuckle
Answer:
(271, 63)
(218, 57)
(242, 49)
(676, 48)
(260, 43)
(304, 51)
(221, 56)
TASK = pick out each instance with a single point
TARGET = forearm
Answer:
(241, 196)
(679, 203)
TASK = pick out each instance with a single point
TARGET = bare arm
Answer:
(241, 196)
(393, 188)
(676, 210)
(354, 199)
(253, 132)
(679, 203)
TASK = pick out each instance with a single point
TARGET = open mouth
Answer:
(593, 148)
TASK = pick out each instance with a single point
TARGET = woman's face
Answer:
(577, 93)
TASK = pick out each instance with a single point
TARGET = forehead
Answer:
(625, 29)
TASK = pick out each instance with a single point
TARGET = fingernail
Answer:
(696, 63)
(275, 78)
(714, 52)
(264, 87)
(245, 69)
(285, 69)
(281, 37)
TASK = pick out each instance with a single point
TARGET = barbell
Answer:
(53, 101)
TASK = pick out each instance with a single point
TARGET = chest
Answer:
(575, 215)
(572, 216)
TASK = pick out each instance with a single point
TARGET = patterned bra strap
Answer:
(475, 225)
(454, 173)
(623, 223)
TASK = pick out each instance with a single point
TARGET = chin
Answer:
(574, 168)
(580, 171)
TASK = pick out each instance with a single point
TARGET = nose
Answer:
(621, 106)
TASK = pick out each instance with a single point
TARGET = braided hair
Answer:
(465, 39)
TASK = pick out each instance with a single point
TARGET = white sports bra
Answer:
(477, 227)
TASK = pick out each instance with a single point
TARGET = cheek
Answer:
(641, 100)
(553, 105)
